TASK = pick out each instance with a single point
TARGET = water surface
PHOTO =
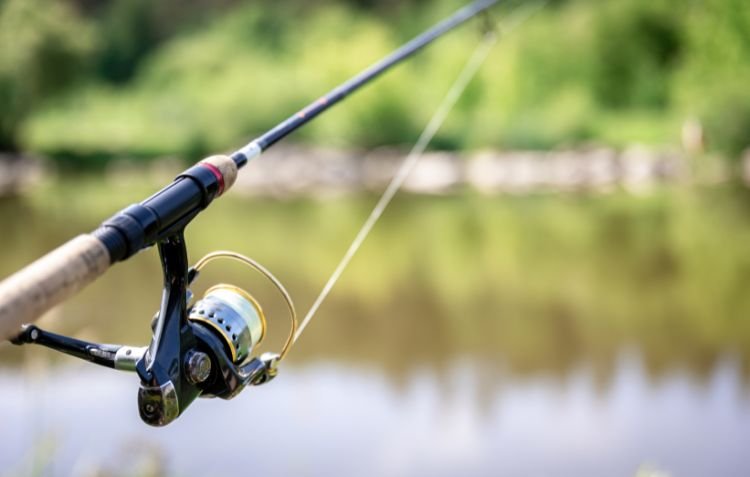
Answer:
(548, 335)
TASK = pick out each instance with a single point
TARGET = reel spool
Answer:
(235, 316)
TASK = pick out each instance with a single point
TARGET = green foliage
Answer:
(637, 46)
(579, 71)
(728, 122)
(128, 33)
(714, 80)
(44, 45)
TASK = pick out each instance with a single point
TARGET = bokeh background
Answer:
(562, 289)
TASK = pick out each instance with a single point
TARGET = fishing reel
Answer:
(199, 348)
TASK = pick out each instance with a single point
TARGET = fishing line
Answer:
(476, 60)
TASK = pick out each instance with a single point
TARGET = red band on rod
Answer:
(216, 172)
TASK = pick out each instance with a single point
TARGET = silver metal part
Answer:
(255, 370)
(100, 353)
(270, 362)
(127, 357)
(197, 366)
(251, 151)
(158, 405)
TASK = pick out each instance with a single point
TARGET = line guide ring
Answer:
(249, 262)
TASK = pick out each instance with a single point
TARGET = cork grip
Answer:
(27, 294)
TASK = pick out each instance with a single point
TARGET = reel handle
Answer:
(110, 355)
(49, 281)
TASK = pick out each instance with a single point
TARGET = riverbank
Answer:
(296, 171)
(18, 173)
(292, 171)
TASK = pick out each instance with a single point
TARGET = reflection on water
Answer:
(472, 336)
(334, 419)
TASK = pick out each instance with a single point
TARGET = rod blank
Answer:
(305, 115)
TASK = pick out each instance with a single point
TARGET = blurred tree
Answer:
(44, 45)
(129, 30)
(128, 33)
(638, 44)
(714, 80)
(580, 70)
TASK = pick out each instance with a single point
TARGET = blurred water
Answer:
(328, 418)
(471, 337)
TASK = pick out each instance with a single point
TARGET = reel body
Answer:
(203, 349)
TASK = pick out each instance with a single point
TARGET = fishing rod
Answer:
(201, 348)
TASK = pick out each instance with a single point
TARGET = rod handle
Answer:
(35, 289)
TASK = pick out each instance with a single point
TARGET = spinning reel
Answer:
(201, 348)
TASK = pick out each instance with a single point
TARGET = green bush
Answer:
(578, 71)
(713, 82)
(43, 47)
(637, 47)
(128, 31)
